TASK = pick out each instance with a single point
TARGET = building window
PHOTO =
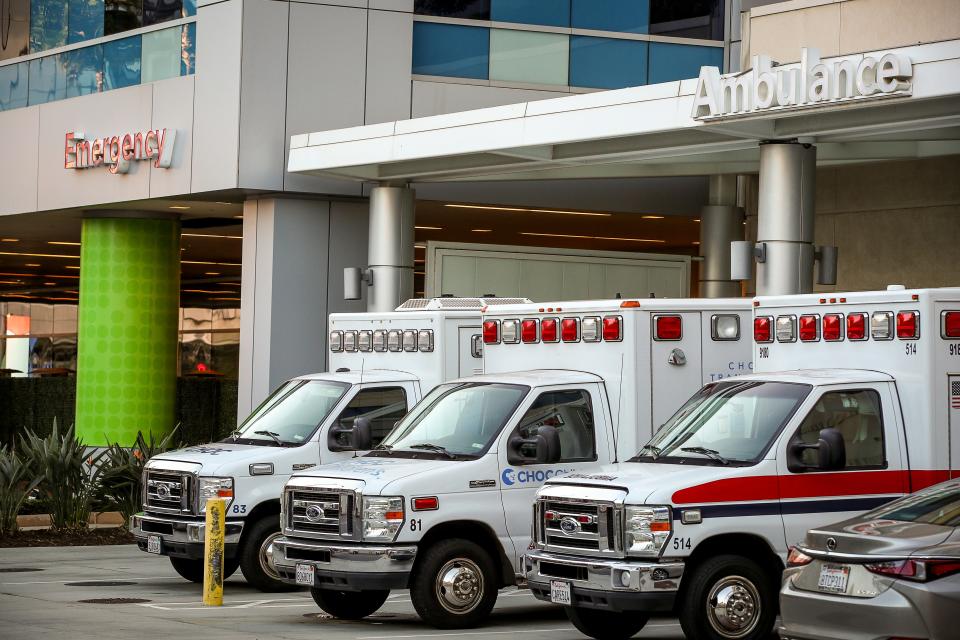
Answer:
(15, 25)
(122, 15)
(83, 71)
(84, 20)
(451, 50)
(161, 54)
(48, 24)
(158, 11)
(121, 63)
(188, 49)
(670, 61)
(47, 80)
(552, 13)
(690, 19)
(468, 9)
(528, 56)
(607, 63)
(629, 16)
(13, 86)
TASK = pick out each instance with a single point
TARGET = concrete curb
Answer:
(43, 519)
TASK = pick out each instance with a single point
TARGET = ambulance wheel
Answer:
(349, 605)
(454, 585)
(256, 556)
(729, 597)
(192, 570)
(606, 625)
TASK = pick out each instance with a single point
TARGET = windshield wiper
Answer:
(710, 453)
(653, 449)
(434, 447)
(272, 434)
(235, 434)
(384, 447)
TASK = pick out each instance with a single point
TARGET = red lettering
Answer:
(69, 153)
(127, 147)
(147, 144)
(138, 146)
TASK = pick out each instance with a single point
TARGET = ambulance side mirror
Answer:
(542, 448)
(358, 437)
(831, 452)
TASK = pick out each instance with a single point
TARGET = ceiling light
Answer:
(696, 219)
(32, 264)
(224, 298)
(219, 202)
(51, 275)
(696, 242)
(430, 228)
(64, 242)
(49, 284)
(419, 273)
(22, 275)
(210, 235)
(11, 281)
(481, 230)
(206, 291)
(563, 235)
(70, 266)
(211, 273)
(241, 217)
(9, 239)
(178, 206)
(38, 255)
(219, 264)
(652, 217)
(526, 210)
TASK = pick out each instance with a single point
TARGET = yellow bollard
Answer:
(213, 553)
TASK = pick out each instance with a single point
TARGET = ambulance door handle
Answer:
(677, 357)
(476, 345)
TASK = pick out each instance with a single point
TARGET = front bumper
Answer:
(346, 567)
(596, 583)
(182, 538)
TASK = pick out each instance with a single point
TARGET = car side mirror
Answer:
(542, 448)
(831, 452)
(358, 437)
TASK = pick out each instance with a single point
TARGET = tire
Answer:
(349, 605)
(192, 570)
(454, 584)
(253, 556)
(606, 625)
(729, 597)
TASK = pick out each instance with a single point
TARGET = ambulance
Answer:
(381, 364)
(855, 401)
(442, 506)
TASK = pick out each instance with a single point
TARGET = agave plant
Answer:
(67, 475)
(120, 473)
(17, 480)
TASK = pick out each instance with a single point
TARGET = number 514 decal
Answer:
(681, 543)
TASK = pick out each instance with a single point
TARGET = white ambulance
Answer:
(381, 364)
(442, 506)
(866, 408)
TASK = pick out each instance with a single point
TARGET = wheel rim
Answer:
(459, 585)
(266, 556)
(733, 607)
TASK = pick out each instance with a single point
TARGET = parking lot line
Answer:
(462, 633)
(118, 578)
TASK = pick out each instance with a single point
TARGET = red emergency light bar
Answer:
(548, 330)
(833, 327)
(809, 328)
(491, 331)
(763, 329)
(856, 326)
(908, 325)
(570, 329)
(668, 327)
(528, 331)
(950, 324)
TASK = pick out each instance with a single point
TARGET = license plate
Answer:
(305, 574)
(153, 544)
(560, 592)
(833, 578)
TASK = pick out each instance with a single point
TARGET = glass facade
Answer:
(490, 50)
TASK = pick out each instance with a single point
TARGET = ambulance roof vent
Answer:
(895, 287)
(456, 304)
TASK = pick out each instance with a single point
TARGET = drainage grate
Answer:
(99, 583)
(18, 569)
(325, 617)
(114, 601)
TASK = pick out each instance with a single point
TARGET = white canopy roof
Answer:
(644, 131)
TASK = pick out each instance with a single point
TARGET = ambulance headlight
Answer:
(209, 488)
(382, 518)
(646, 529)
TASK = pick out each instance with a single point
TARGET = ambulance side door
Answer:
(675, 357)
(867, 418)
(579, 413)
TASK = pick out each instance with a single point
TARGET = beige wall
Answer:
(839, 27)
(894, 222)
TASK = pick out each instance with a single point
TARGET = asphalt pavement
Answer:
(102, 593)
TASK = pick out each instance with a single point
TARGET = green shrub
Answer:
(120, 473)
(67, 475)
(17, 480)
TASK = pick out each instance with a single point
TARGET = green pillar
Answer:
(127, 328)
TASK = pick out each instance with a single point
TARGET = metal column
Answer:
(721, 222)
(390, 253)
(786, 218)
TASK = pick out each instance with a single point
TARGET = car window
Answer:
(936, 505)
(382, 406)
(856, 415)
(571, 414)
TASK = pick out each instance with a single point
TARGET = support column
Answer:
(390, 257)
(127, 328)
(786, 217)
(721, 222)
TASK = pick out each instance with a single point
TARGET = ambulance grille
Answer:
(593, 534)
(320, 512)
(168, 492)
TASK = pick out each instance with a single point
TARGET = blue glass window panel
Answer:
(48, 24)
(629, 16)
(691, 19)
(157, 11)
(47, 80)
(13, 86)
(553, 13)
(121, 63)
(122, 15)
(469, 9)
(188, 54)
(670, 62)
(84, 20)
(83, 70)
(607, 63)
(189, 8)
(451, 50)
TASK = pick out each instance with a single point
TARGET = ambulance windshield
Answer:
(456, 420)
(291, 414)
(725, 423)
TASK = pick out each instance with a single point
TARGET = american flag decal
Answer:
(955, 395)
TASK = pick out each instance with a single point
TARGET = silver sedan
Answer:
(892, 572)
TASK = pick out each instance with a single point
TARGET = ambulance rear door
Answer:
(675, 357)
